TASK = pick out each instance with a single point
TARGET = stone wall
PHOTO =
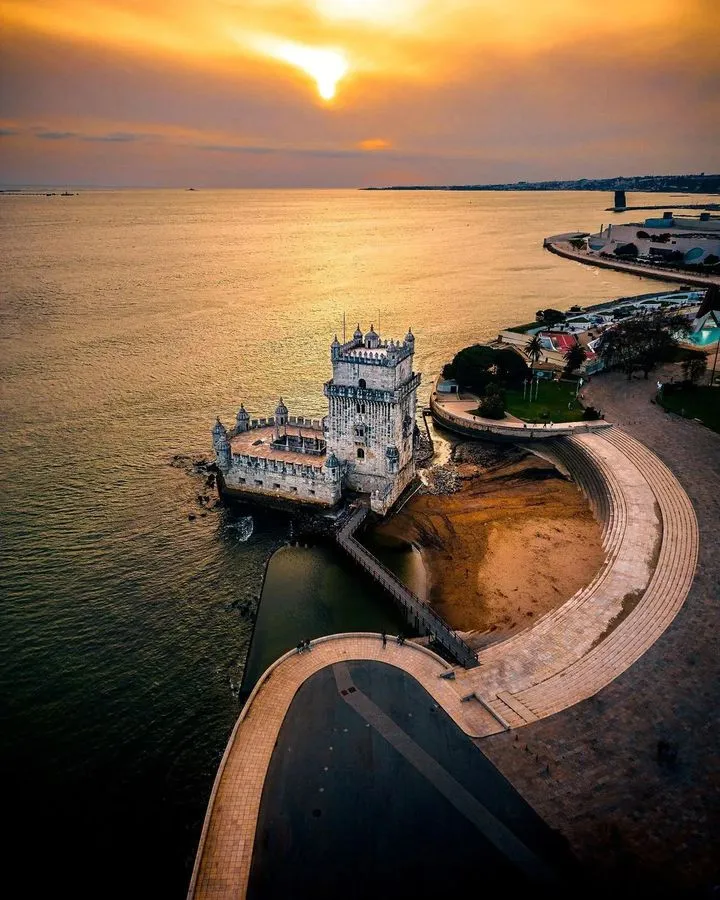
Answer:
(307, 483)
(379, 373)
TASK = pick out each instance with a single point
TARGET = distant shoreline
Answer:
(652, 184)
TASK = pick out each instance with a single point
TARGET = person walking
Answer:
(384, 639)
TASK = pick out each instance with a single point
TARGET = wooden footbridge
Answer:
(419, 613)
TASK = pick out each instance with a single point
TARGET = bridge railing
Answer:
(441, 631)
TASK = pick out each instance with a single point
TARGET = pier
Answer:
(420, 614)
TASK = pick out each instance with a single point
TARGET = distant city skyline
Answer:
(346, 93)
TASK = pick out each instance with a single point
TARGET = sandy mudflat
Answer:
(514, 541)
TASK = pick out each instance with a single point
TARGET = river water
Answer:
(128, 320)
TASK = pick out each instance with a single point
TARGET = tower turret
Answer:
(281, 413)
(242, 420)
(332, 464)
(223, 451)
(410, 338)
(372, 338)
(281, 418)
(218, 431)
(335, 348)
(357, 334)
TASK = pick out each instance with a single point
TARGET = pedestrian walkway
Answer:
(224, 855)
(456, 414)
(422, 617)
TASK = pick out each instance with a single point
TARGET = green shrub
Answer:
(492, 406)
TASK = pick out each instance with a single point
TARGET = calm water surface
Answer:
(128, 320)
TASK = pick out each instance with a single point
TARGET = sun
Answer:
(326, 67)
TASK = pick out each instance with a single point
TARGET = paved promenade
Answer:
(560, 246)
(361, 740)
(456, 413)
(223, 860)
(632, 776)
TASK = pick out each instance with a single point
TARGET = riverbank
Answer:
(503, 535)
(560, 246)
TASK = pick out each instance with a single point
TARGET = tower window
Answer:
(360, 453)
(362, 383)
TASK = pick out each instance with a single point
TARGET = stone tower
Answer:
(371, 414)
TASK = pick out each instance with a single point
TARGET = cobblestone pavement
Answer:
(632, 776)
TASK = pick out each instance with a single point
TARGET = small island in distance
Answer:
(685, 184)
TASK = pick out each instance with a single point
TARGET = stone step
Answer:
(661, 600)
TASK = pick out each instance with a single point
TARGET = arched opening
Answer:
(360, 453)
(362, 383)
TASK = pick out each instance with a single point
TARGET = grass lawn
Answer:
(703, 403)
(550, 406)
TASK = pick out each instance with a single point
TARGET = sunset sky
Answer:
(333, 93)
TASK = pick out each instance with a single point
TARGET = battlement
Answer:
(384, 353)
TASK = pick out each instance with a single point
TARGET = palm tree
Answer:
(574, 358)
(534, 348)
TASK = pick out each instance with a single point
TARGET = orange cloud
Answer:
(375, 144)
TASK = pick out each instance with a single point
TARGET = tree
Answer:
(552, 316)
(695, 367)
(478, 366)
(534, 348)
(617, 348)
(658, 338)
(574, 358)
(641, 343)
(492, 405)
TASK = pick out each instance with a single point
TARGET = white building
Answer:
(365, 443)
(671, 238)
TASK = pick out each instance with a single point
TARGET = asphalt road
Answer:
(373, 789)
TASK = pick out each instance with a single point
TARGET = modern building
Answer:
(693, 240)
(364, 444)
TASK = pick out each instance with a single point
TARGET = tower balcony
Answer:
(378, 395)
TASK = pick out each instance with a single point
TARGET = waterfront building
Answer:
(669, 239)
(365, 443)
